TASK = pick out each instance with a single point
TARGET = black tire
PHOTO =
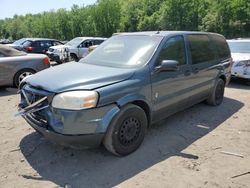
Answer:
(217, 94)
(73, 57)
(2, 88)
(59, 62)
(126, 131)
(247, 82)
(20, 75)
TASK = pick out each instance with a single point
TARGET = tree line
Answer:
(228, 17)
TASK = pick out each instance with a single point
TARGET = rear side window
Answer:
(27, 43)
(173, 49)
(200, 48)
(45, 44)
(98, 42)
(221, 47)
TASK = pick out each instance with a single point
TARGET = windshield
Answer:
(74, 42)
(239, 47)
(124, 51)
(20, 41)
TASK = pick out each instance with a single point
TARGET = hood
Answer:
(77, 76)
(240, 56)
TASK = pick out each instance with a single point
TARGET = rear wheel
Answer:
(20, 75)
(126, 131)
(217, 95)
(247, 82)
(59, 62)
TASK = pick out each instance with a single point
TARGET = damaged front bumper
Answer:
(74, 128)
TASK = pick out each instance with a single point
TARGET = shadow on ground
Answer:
(239, 84)
(7, 91)
(98, 168)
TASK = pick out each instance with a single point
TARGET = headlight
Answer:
(75, 100)
(60, 50)
(243, 63)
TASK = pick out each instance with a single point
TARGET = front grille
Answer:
(29, 96)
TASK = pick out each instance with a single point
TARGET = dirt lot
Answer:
(182, 151)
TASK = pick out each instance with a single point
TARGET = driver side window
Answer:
(173, 49)
(86, 44)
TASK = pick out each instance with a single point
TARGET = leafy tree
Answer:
(228, 17)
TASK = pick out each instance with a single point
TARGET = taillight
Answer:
(29, 49)
(46, 61)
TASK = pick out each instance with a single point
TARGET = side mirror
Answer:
(167, 65)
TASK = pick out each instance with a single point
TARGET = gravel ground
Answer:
(185, 150)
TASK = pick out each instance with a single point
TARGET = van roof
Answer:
(163, 33)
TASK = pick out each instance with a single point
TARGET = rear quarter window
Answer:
(98, 42)
(27, 43)
(221, 46)
(200, 48)
(45, 44)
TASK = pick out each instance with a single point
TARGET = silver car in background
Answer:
(240, 50)
(16, 65)
(73, 50)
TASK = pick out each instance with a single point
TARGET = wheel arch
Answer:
(18, 71)
(223, 77)
(137, 100)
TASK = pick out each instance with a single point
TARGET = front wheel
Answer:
(217, 95)
(73, 57)
(126, 131)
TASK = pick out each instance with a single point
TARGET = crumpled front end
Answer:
(74, 128)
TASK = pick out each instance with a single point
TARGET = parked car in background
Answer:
(18, 43)
(73, 50)
(240, 49)
(5, 41)
(16, 65)
(129, 82)
(39, 45)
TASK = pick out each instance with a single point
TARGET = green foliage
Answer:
(228, 17)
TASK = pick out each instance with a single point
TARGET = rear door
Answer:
(43, 46)
(223, 55)
(202, 57)
(171, 89)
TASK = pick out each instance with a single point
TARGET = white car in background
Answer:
(240, 50)
(73, 50)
